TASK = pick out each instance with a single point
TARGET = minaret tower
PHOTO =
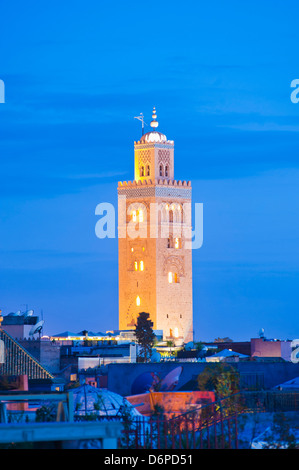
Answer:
(155, 255)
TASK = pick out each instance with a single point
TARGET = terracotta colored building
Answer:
(172, 403)
(154, 230)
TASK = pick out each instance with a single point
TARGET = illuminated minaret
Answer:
(155, 260)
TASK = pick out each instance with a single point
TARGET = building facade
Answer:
(154, 234)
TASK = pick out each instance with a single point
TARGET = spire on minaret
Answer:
(154, 123)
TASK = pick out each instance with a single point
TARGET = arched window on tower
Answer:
(166, 171)
(148, 170)
(177, 243)
(142, 171)
(173, 277)
(161, 170)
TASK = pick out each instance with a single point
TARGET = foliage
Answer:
(223, 379)
(145, 336)
(198, 346)
(46, 413)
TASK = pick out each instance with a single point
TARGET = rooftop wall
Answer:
(122, 376)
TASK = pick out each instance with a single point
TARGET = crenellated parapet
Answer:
(156, 182)
(155, 188)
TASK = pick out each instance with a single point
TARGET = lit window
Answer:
(177, 243)
(132, 249)
(134, 216)
(140, 216)
(176, 333)
(138, 301)
(141, 266)
(170, 277)
(136, 265)
(176, 277)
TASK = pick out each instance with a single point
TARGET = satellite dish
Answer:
(144, 383)
(171, 380)
(28, 313)
(155, 357)
(36, 328)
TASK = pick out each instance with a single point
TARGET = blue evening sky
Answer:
(219, 74)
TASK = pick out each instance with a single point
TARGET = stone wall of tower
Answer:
(169, 304)
(175, 300)
(136, 283)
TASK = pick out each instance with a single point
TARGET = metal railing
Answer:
(214, 425)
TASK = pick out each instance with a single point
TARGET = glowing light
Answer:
(138, 301)
(141, 266)
(140, 216)
(136, 265)
(176, 333)
(170, 277)
(134, 216)
(132, 249)
(177, 243)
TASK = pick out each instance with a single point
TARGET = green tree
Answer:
(223, 379)
(145, 336)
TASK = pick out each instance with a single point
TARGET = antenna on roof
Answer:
(141, 118)
(262, 333)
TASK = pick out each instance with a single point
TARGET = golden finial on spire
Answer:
(154, 123)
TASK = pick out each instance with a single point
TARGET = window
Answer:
(177, 243)
(139, 214)
(176, 332)
(161, 170)
(173, 277)
(138, 301)
(166, 171)
(148, 170)
(168, 243)
(136, 265)
(142, 171)
(141, 266)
